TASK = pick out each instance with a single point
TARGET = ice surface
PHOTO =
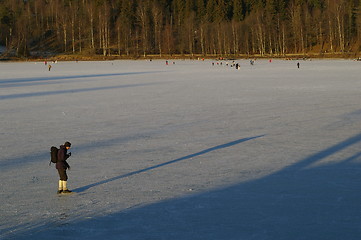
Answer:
(182, 151)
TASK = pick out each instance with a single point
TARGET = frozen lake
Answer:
(182, 151)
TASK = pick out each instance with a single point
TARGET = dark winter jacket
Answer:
(62, 157)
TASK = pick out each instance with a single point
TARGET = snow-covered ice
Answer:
(182, 151)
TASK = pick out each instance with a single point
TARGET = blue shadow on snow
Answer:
(230, 144)
(79, 90)
(16, 82)
(306, 200)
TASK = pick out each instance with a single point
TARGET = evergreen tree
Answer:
(238, 10)
(211, 11)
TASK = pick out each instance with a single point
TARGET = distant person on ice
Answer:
(62, 166)
(298, 65)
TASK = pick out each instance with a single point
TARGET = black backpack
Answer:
(53, 154)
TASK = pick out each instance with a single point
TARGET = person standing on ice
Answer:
(62, 166)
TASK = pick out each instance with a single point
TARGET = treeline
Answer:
(166, 27)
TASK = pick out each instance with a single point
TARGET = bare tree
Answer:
(295, 12)
(158, 23)
(143, 18)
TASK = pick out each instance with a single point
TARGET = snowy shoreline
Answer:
(97, 58)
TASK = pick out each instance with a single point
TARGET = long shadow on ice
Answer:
(19, 82)
(14, 162)
(84, 188)
(301, 201)
(78, 90)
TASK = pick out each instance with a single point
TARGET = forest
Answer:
(142, 28)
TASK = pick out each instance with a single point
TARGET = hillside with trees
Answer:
(133, 28)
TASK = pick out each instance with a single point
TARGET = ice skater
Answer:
(49, 67)
(298, 65)
(62, 165)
